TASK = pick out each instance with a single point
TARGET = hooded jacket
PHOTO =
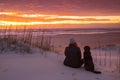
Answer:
(73, 56)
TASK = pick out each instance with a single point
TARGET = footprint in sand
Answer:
(73, 74)
(5, 70)
(75, 79)
(62, 73)
(98, 78)
(0, 68)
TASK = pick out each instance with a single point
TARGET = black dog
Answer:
(88, 61)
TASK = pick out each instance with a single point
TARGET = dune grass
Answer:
(35, 38)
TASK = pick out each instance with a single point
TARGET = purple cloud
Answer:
(79, 7)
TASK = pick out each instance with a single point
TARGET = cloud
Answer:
(9, 18)
(78, 7)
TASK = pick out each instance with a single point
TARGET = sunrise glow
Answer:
(38, 19)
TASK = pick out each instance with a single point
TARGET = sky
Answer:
(38, 12)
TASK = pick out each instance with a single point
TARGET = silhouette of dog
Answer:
(88, 61)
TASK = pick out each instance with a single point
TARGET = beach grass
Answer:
(28, 37)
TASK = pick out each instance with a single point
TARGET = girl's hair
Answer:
(73, 44)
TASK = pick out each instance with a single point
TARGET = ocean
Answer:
(52, 32)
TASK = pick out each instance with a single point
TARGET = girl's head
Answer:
(72, 42)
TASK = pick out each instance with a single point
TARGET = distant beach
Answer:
(94, 38)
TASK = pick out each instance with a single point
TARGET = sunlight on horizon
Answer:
(19, 19)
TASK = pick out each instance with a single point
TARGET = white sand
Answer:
(48, 66)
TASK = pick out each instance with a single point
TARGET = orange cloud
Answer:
(10, 18)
